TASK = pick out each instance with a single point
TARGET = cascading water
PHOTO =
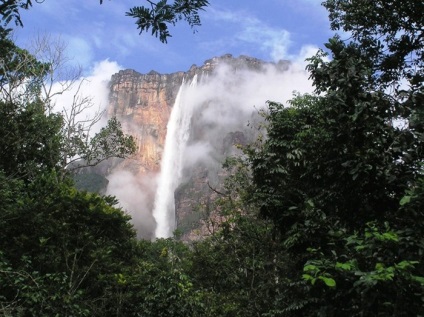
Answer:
(177, 135)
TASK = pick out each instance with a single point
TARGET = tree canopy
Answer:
(390, 32)
(340, 172)
(322, 216)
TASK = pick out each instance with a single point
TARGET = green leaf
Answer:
(307, 277)
(379, 266)
(344, 266)
(330, 282)
(419, 279)
(391, 236)
(405, 200)
(310, 268)
(406, 264)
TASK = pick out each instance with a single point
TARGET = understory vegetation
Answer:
(324, 215)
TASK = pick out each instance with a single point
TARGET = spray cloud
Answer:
(205, 113)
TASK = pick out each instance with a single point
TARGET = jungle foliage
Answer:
(323, 217)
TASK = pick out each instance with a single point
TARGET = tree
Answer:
(31, 140)
(391, 32)
(81, 147)
(30, 137)
(20, 72)
(161, 14)
(341, 179)
(240, 268)
(156, 16)
(334, 196)
(35, 134)
(162, 283)
(59, 75)
(60, 249)
(9, 10)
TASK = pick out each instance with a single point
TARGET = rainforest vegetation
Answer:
(324, 216)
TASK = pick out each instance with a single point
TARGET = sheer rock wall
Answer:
(143, 103)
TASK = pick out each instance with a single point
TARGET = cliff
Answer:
(143, 104)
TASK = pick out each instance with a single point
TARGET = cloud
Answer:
(216, 106)
(94, 86)
(135, 197)
(230, 97)
(275, 42)
(103, 70)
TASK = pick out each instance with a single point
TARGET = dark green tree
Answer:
(390, 32)
(60, 249)
(340, 173)
(158, 283)
(31, 140)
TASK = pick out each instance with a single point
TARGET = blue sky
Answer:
(267, 29)
(103, 40)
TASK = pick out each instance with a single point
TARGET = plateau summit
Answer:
(185, 125)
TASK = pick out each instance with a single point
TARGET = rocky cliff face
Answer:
(143, 104)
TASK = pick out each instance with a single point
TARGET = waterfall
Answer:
(178, 131)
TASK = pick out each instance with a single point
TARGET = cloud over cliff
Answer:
(217, 104)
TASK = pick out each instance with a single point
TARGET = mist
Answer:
(136, 196)
(219, 104)
(229, 101)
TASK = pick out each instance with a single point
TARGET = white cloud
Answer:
(135, 196)
(216, 107)
(275, 42)
(103, 70)
(94, 86)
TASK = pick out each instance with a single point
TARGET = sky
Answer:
(102, 40)
(268, 29)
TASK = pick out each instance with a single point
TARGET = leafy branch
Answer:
(161, 15)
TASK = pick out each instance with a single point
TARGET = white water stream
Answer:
(177, 135)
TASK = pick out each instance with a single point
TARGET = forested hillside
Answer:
(324, 214)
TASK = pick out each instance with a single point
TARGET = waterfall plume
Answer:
(183, 141)
(178, 132)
